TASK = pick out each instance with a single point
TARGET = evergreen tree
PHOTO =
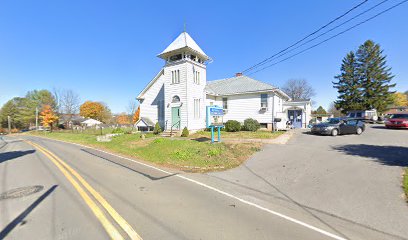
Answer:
(348, 85)
(375, 77)
(320, 110)
(364, 80)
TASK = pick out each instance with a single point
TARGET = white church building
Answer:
(178, 95)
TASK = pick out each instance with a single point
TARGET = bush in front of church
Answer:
(251, 125)
(157, 129)
(232, 126)
(185, 132)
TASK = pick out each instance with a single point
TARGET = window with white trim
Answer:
(225, 103)
(175, 76)
(264, 100)
(197, 77)
(197, 112)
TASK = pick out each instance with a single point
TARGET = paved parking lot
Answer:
(349, 184)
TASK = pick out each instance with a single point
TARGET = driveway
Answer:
(349, 184)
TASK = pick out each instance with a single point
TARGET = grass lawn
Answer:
(240, 134)
(405, 183)
(185, 154)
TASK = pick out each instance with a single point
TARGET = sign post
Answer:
(214, 120)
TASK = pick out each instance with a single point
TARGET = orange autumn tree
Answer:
(136, 117)
(92, 110)
(48, 116)
(123, 119)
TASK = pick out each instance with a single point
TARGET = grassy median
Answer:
(184, 154)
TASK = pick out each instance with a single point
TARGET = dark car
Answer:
(336, 126)
(399, 120)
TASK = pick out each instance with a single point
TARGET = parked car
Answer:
(399, 120)
(365, 115)
(336, 126)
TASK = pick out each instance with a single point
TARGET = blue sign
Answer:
(214, 116)
(216, 111)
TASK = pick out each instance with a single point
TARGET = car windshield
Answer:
(399, 116)
(332, 121)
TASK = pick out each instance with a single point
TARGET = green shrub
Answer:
(182, 154)
(157, 129)
(158, 140)
(232, 126)
(251, 125)
(118, 130)
(185, 132)
(214, 152)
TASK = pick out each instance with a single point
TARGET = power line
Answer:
(309, 35)
(320, 35)
(336, 35)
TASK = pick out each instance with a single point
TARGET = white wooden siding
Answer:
(149, 106)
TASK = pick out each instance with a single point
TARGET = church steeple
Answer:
(184, 46)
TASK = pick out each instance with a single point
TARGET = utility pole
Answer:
(9, 124)
(36, 118)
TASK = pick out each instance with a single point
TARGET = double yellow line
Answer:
(70, 173)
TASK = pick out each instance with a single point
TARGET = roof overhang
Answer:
(273, 90)
(141, 94)
(165, 55)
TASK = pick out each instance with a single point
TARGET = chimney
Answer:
(238, 74)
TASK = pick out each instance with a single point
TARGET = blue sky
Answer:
(106, 50)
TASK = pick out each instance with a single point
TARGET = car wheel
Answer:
(359, 131)
(335, 132)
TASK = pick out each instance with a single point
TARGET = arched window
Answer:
(176, 99)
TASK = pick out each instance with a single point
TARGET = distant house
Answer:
(178, 95)
(395, 110)
(70, 120)
(91, 122)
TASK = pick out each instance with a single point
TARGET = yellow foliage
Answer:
(48, 116)
(123, 119)
(136, 117)
(400, 99)
(91, 109)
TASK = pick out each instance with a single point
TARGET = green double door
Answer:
(175, 117)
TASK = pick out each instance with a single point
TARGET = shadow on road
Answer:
(128, 167)
(20, 218)
(14, 154)
(386, 155)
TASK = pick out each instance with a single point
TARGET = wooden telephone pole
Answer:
(9, 124)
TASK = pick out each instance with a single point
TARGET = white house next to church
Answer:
(179, 93)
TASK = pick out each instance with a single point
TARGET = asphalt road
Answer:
(350, 184)
(347, 187)
(155, 204)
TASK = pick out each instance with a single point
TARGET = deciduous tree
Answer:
(136, 116)
(298, 89)
(48, 116)
(95, 110)
(399, 99)
(123, 119)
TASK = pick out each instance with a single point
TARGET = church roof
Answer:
(239, 85)
(184, 40)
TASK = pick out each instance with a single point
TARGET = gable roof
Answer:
(184, 40)
(147, 122)
(239, 85)
(150, 84)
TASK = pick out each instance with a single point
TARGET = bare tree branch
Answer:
(298, 89)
